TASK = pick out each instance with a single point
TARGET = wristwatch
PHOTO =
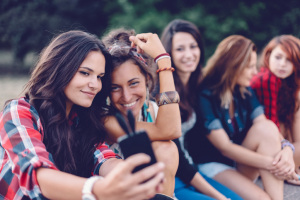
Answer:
(88, 186)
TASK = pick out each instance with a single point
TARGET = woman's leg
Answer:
(262, 137)
(167, 152)
(182, 192)
(241, 185)
(221, 188)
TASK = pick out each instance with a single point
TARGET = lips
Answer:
(89, 94)
(130, 105)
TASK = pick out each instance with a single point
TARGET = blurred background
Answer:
(26, 26)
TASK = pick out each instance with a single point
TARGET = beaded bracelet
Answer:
(164, 69)
(285, 142)
(165, 55)
(167, 97)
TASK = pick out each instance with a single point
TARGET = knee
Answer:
(267, 130)
(167, 152)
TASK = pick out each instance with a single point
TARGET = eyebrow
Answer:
(89, 69)
(127, 81)
(132, 79)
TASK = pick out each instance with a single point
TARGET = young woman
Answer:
(131, 82)
(235, 142)
(277, 86)
(51, 139)
(183, 41)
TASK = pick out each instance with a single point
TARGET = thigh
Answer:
(222, 189)
(251, 173)
(240, 185)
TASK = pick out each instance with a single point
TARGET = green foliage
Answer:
(28, 25)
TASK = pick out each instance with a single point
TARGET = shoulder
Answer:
(204, 91)
(20, 112)
(264, 78)
(20, 106)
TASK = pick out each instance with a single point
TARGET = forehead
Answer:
(183, 38)
(278, 50)
(95, 60)
(126, 71)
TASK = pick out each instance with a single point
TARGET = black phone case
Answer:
(137, 143)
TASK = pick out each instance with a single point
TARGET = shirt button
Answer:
(235, 114)
(229, 121)
(240, 129)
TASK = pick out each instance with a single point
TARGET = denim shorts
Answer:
(213, 168)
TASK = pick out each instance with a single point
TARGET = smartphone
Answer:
(138, 142)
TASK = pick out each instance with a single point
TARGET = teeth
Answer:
(130, 104)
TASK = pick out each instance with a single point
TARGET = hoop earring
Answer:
(108, 101)
(147, 99)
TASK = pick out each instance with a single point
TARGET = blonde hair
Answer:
(232, 55)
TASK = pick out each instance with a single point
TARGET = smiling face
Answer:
(248, 72)
(280, 64)
(86, 82)
(128, 90)
(185, 52)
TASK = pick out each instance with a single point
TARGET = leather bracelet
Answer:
(167, 98)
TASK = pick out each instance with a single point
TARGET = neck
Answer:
(184, 77)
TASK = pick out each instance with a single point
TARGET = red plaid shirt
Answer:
(22, 152)
(266, 86)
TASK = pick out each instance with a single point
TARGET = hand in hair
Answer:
(120, 183)
(148, 43)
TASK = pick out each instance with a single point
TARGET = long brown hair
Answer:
(291, 85)
(187, 97)
(232, 55)
(72, 150)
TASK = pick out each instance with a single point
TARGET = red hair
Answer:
(291, 85)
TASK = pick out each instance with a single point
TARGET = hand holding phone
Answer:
(134, 142)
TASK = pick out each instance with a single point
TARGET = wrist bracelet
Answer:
(167, 97)
(288, 144)
(88, 187)
(161, 55)
(164, 69)
(285, 142)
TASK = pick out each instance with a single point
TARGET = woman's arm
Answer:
(119, 183)
(204, 187)
(238, 153)
(168, 122)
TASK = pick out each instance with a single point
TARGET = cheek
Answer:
(114, 97)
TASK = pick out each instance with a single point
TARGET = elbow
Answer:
(175, 133)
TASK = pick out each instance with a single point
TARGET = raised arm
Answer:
(168, 122)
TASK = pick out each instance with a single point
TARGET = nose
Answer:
(282, 62)
(126, 95)
(95, 83)
(188, 53)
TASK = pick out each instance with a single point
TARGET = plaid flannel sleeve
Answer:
(102, 154)
(21, 135)
(266, 86)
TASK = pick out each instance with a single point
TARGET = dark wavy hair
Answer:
(121, 55)
(72, 150)
(288, 102)
(187, 97)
